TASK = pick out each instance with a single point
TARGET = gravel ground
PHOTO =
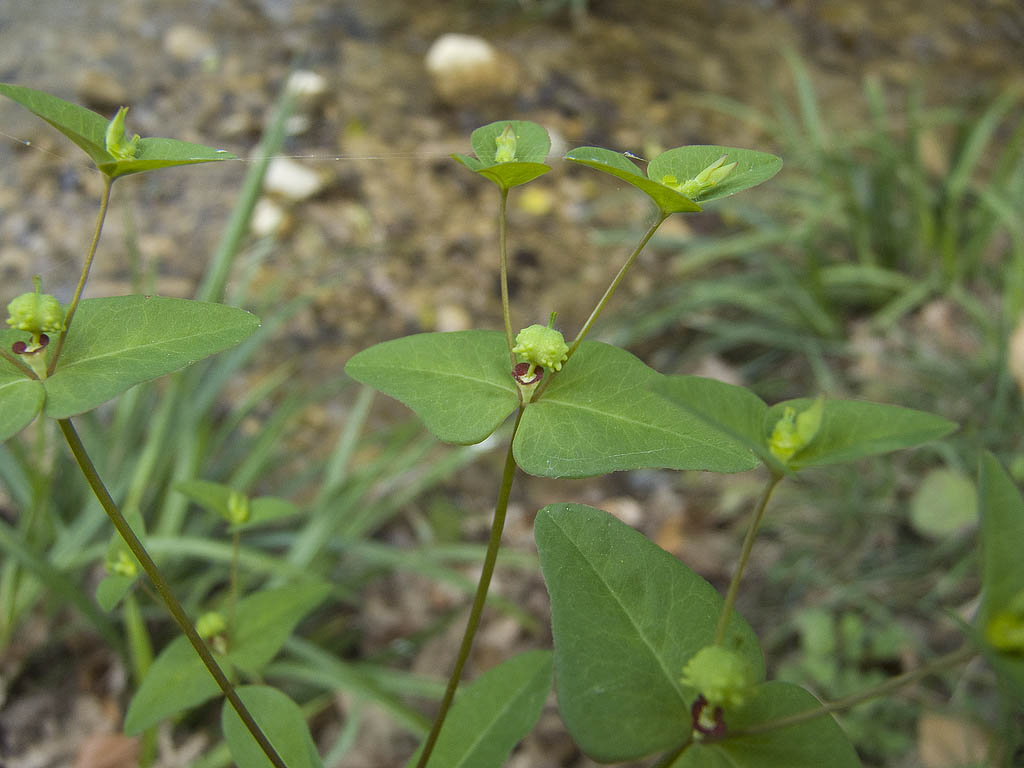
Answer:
(396, 238)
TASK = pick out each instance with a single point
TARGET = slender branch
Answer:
(550, 375)
(108, 182)
(236, 539)
(959, 656)
(500, 508)
(615, 282)
(748, 545)
(503, 248)
(177, 612)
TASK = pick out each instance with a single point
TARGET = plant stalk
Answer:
(550, 375)
(163, 588)
(236, 539)
(615, 282)
(748, 545)
(503, 249)
(108, 183)
(959, 656)
(500, 508)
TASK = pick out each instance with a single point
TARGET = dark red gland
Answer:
(43, 340)
(519, 374)
(697, 709)
(19, 347)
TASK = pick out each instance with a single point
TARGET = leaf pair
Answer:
(670, 170)
(230, 505)
(91, 132)
(848, 430)
(599, 415)
(626, 617)
(178, 680)
(116, 343)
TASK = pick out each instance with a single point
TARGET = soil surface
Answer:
(400, 239)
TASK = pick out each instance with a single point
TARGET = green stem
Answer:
(959, 656)
(615, 282)
(550, 375)
(233, 594)
(500, 508)
(748, 544)
(503, 249)
(177, 612)
(108, 182)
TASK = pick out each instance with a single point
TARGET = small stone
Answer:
(465, 68)
(291, 180)
(453, 317)
(308, 88)
(100, 89)
(268, 218)
(188, 44)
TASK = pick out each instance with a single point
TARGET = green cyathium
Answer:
(114, 139)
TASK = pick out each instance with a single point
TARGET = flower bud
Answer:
(1005, 630)
(36, 312)
(114, 138)
(541, 346)
(211, 624)
(703, 181)
(123, 565)
(506, 145)
(794, 432)
(238, 508)
(721, 676)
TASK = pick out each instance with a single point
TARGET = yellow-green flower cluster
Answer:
(721, 676)
(541, 346)
(794, 432)
(703, 181)
(35, 312)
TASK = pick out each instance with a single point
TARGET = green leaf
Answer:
(618, 165)
(852, 429)
(810, 744)
(531, 149)
(157, 153)
(600, 415)
(88, 130)
(84, 127)
(626, 617)
(532, 141)
(21, 398)
(213, 497)
(752, 168)
(1002, 568)
(177, 680)
(267, 509)
(112, 589)
(459, 383)
(729, 408)
(263, 622)
(118, 342)
(493, 713)
(281, 721)
(944, 504)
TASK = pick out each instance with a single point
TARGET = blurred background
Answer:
(885, 261)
